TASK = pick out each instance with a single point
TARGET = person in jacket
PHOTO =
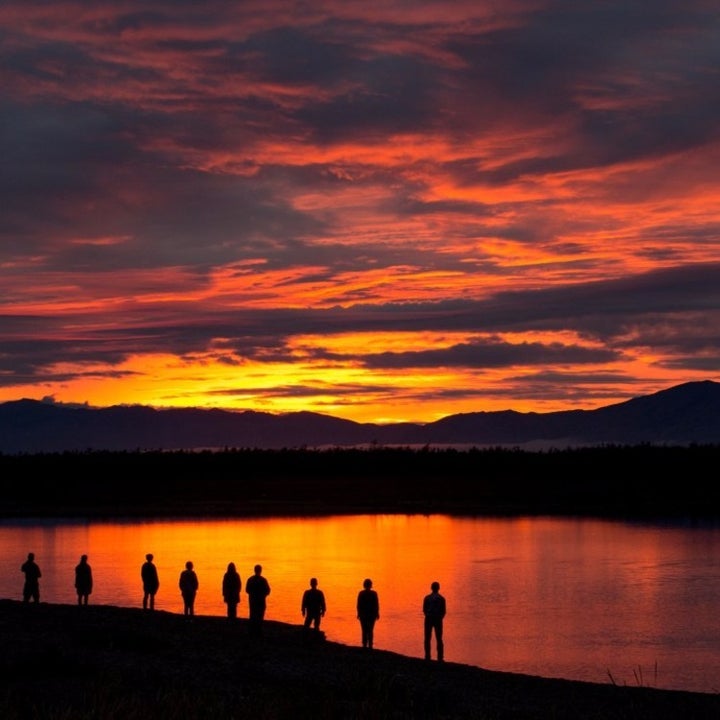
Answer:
(83, 580)
(257, 588)
(313, 606)
(150, 581)
(231, 586)
(31, 588)
(368, 612)
(434, 608)
(188, 588)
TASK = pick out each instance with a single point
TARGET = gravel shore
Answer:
(64, 661)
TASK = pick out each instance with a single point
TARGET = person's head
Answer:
(31, 556)
(435, 586)
(258, 569)
(313, 582)
(189, 565)
(83, 558)
(367, 583)
(149, 557)
(231, 567)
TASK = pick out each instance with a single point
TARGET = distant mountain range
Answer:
(681, 415)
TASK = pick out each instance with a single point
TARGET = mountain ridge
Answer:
(684, 414)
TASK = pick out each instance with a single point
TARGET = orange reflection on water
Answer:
(562, 598)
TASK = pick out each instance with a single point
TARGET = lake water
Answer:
(630, 603)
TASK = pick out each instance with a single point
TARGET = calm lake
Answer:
(634, 604)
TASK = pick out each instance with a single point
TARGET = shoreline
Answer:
(110, 662)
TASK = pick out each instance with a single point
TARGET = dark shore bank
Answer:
(109, 663)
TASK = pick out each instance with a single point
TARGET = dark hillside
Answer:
(683, 415)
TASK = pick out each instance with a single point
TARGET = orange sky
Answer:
(378, 211)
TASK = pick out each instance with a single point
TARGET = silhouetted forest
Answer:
(610, 481)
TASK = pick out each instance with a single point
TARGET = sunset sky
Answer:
(381, 211)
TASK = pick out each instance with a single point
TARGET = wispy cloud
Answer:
(384, 211)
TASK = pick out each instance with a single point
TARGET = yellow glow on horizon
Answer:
(341, 386)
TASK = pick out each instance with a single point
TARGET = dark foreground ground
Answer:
(63, 661)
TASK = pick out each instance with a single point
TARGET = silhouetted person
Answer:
(313, 605)
(257, 589)
(31, 588)
(231, 586)
(368, 611)
(83, 580)
(434, 610)
(150, 581)
(188, 587)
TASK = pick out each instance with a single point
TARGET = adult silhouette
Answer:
(231, 586)
(83, 580)
(188, 588)
(368, 611)
(434, 608)
(31, 588)
(150, 581)
(257, 588)
(313, 605)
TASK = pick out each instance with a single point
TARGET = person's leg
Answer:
(439, 640)
(428, 637)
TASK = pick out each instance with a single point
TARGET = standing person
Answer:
(83, 580)
(231, 585)
(150, 581)
(434, 610)
(257, 589)
(31, 588)
(368, 611)
(188, 587)
(313, 605)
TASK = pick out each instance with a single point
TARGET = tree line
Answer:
(607, 481)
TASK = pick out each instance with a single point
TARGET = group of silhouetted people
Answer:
(434, 609)
(31, 588)
(313, 606)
